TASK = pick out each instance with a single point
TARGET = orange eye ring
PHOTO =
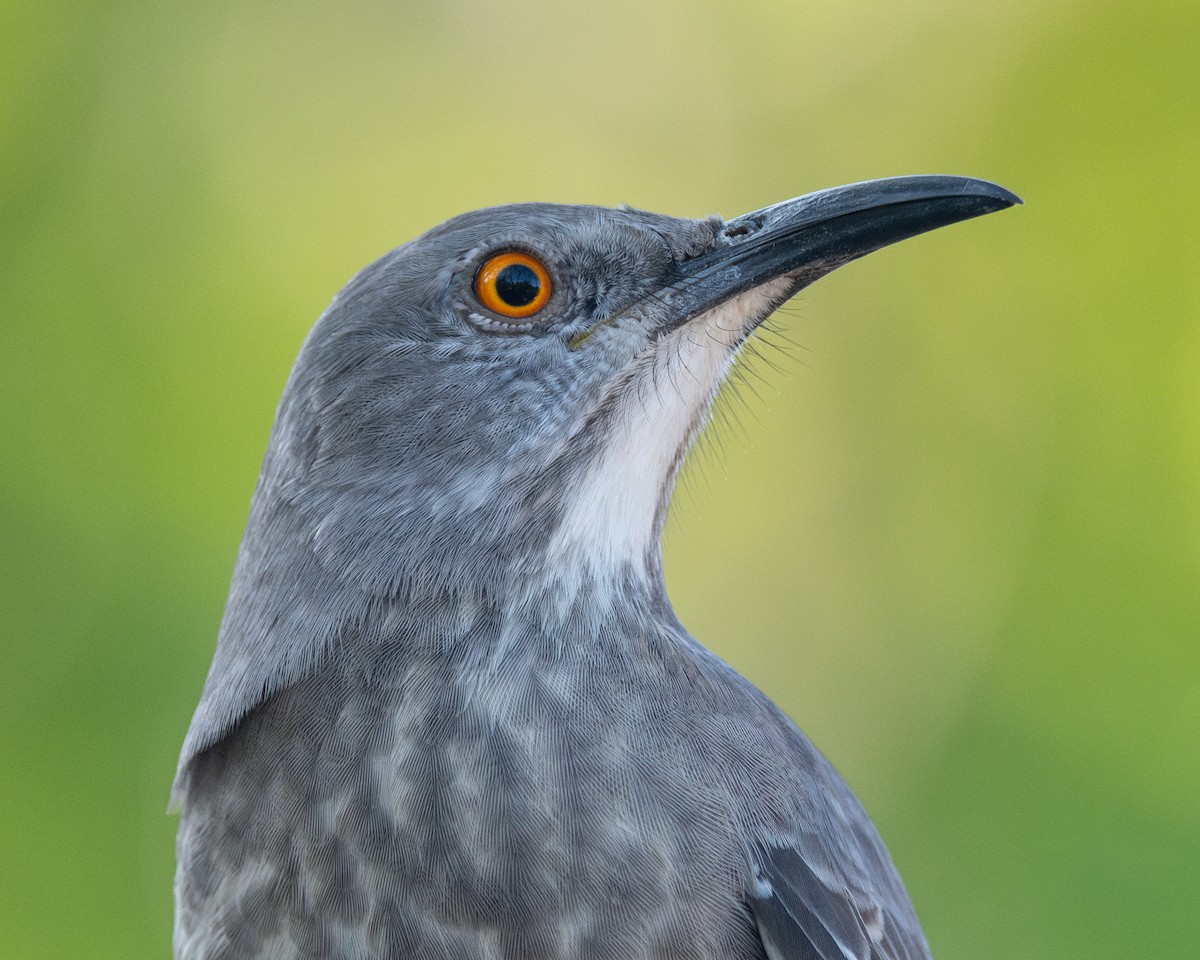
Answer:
(514, 285)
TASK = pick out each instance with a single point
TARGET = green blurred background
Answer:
(951, 520)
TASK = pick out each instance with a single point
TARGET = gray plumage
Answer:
(452, 713)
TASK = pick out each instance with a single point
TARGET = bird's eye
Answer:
(513, 284)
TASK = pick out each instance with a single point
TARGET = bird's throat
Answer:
(614, 518)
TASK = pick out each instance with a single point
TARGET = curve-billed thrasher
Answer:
(452, 713)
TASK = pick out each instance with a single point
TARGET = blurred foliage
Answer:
(949, 518)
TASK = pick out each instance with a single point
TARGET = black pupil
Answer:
(517, 285)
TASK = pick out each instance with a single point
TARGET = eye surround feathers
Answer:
(513, 285)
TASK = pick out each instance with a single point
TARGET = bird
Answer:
(452, 714)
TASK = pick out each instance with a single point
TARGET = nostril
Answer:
(742, 228)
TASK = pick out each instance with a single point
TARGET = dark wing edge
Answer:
(802, 916)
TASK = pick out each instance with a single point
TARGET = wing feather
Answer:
(808, 909)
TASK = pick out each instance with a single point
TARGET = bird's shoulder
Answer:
(821, 884)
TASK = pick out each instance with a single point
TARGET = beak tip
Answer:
(993, 191)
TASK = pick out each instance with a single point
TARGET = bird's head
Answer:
(509, 396)
(503, 403)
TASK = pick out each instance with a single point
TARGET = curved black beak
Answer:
(805, 238)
